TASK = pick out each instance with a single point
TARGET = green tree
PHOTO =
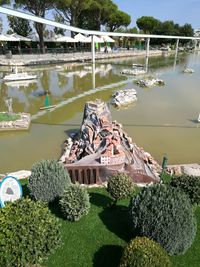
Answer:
(147, 24)
(19, 25)
(37, 8)
(117, 20)
(70, 10)
(186, 30)
(97, 14)
(59, 18)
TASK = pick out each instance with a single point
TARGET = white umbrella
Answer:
(7, 38)
(66, 39)
(107, 39)
(96, 39)
(20, 37)
(80, 38)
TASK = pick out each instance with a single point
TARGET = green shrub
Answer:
(28, 233)
(75, 202)
(165, 215)
(120, 186)
(143, 252)
(48, 180)
(190, 185)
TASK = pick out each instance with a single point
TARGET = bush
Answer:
(120, 186)
(143, 252)
(190, 185)
(75, 202)
(165, 215)
(28, 233)
(48, 180)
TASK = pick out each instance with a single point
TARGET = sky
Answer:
(180, 11)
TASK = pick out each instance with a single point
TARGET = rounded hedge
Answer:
(28, 233)
(190, 185)
(48, 180)
(75, 202)
(143, 252)
(120, 186)
(165, 215)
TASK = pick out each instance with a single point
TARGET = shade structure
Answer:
(66, 39)
(20, 37)
(96, 39)
(81, 38)
(107, 39)
(8, 38)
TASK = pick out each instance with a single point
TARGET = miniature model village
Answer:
(102, 148)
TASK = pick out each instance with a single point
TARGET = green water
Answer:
(162, 121)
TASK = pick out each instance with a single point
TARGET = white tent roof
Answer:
(20, 37)
(96, 39)
(107, 39)
(6, 38)
(81, 38)
(66, 39)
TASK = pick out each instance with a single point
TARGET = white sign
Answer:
(10, 190)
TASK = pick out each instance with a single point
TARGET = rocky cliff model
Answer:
(102, 148)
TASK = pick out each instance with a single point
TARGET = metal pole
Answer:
(176, 52)
(147, 47)
(93, 76)
(195, 45)
(93, 49)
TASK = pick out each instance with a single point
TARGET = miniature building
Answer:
(102, 148)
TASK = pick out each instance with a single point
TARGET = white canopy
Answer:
(66, 39)
(20, 37)
(81, 38)
(96, 39)
(107, 39)
(7, 38)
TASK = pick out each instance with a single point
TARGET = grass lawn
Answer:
(7, 117)
(98, 238)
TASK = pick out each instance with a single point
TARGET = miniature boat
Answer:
(124, 97)
(150, 82)
(135, 66)
(19, 76)
(188, 70)
(134, 72)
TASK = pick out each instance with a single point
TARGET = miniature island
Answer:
(102, 148)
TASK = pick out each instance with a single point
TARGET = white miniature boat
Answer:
(19, 76)
(124, 97)
(134, 72)
(188, 70)
(150, 82)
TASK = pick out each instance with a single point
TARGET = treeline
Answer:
(88, 14)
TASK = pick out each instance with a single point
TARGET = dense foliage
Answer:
(48, 180)
(75, 202)
(120, 186)
(19, 25)
(165, 215)
(190, 185)
(28, 233)
(143, 252)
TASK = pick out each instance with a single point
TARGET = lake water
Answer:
(163, 120)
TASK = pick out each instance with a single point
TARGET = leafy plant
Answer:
(120, 186)
(165, 215)
(28, 233)
(75, 202)
(48, 180)
(190, 185)
(143, 252)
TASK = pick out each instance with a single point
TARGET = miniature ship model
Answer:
(188, 70)
(102, 149)
(134, 71)
(19, 76)
(124, 97)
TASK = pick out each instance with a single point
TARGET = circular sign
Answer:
(10, 190)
